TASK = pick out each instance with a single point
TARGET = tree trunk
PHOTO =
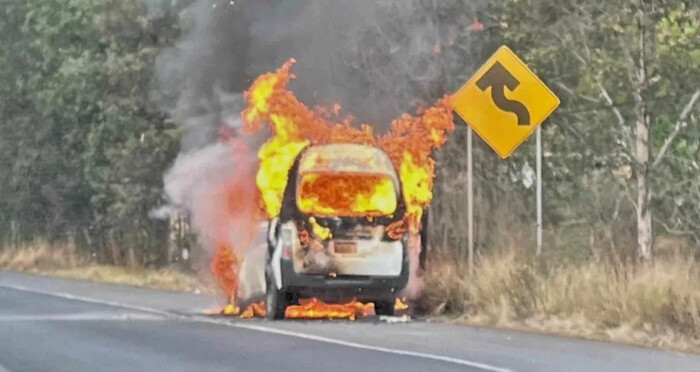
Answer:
(644, 233)
(643, 146)
(114, 249)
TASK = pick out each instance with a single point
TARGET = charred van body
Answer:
(340, 233)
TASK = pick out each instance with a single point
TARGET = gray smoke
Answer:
(355, 53)
(200, 79)
(376, 58)
(185, 187)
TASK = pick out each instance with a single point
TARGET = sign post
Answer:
(504, 102)
(538, 155)
(470, 204)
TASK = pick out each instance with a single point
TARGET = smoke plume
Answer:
(376, 59)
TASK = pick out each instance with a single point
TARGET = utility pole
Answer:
(538, 162)
(470, 203)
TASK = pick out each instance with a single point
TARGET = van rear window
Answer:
(346, 194)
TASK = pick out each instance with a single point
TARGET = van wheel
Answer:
(275, 300)
(384, 307)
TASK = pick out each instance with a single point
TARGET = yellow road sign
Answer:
(504, 102)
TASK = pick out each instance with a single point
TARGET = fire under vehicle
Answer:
(339, 235)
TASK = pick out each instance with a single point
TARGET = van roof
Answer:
(347, 158)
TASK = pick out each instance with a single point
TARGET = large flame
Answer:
(338, 194)
(314, 308)
(294, 126)
(225, 269)
(236, 222)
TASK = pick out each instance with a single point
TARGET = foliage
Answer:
(590, 53)
(83, 150)
(593, 55)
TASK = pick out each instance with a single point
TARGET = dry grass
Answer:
(62, 262)
(653, 305)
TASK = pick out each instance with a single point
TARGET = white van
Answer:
(316, 251)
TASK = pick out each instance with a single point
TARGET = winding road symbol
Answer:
(498, 78)
(517, 103)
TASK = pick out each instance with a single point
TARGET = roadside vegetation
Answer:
(657, 304)
(62, 261)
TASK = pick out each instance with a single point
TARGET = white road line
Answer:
(79, 317)
(482, 366)
(87, 299)
(253, 327)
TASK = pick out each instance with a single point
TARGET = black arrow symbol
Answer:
(497, 77)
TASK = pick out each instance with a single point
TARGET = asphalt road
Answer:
(51, 324)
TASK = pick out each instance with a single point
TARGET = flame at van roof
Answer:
(347, 158)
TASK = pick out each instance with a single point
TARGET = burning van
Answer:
(339, 234)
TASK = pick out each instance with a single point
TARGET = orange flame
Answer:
(294, 126)
(476, 26)
(239, 217)
(254, 310)
(400, 304)
(225, 269)
(313, 308)
(346, 194)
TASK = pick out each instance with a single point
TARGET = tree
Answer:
(627, 74)
(83, 150)
(638, 58)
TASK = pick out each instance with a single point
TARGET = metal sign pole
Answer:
(470, 203)
(539, 189)
(482, 103)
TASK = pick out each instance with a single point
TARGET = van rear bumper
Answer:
(343, 286)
